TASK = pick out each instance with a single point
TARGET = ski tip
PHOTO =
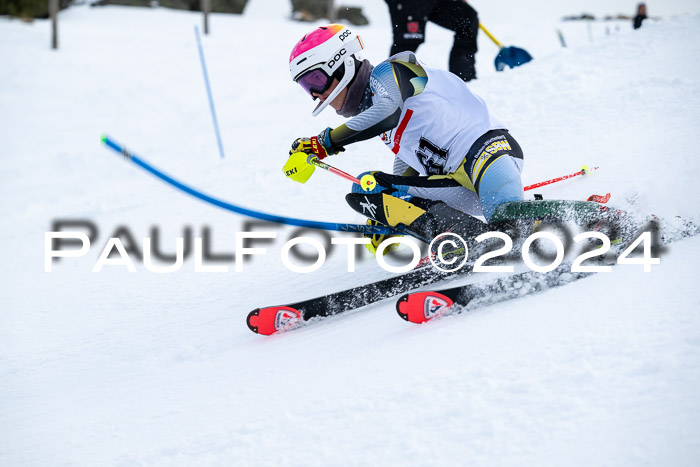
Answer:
(252, 320)
(103, 138)
(271, 320)
(402, 307)
(422, 306)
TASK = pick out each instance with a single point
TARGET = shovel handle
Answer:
(500, 46)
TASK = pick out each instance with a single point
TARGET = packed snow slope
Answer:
(120, 368)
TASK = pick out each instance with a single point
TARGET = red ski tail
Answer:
(420, 307)
(273, 319)
(602, 199)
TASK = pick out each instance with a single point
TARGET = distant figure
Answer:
(641, 16)
(408, 18)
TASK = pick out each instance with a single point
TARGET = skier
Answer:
(454, 160)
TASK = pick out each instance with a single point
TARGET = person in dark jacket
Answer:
(641, 16)
(408, 18)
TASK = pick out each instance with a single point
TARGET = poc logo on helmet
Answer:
(344, 35)
(338, 56)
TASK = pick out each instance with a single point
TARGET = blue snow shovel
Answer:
(508, 56)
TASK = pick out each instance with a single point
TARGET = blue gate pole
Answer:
(211, 99)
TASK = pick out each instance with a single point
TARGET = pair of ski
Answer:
(275, 319)
(422, 306)
(415, 307)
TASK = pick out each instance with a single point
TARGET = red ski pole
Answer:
(368, 182)
(584, 170)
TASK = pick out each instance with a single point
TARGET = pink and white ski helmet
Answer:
(325, 53)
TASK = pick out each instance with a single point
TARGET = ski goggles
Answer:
(315, 81)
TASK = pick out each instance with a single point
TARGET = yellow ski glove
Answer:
(320, 145)
(310, 146)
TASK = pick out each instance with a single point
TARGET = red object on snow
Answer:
(423, 306)
(273, 319)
